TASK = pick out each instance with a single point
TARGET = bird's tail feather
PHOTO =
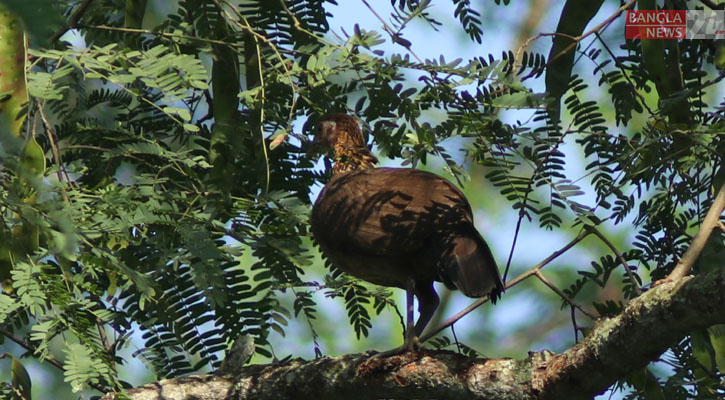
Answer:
(469, 266)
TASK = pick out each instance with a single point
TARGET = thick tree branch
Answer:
(647, 327)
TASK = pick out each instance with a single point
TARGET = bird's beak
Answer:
(320, 143)
(313, 148)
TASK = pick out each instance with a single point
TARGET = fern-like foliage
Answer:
(170, 213)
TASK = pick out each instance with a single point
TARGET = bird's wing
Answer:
(386, 211)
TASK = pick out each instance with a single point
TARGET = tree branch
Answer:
(648, 326)
(73, 20)
(712, 220)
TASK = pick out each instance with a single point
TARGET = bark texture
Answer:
(646, 328)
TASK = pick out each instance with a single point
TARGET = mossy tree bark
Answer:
(644, 330)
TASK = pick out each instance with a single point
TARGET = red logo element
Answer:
(661, 24)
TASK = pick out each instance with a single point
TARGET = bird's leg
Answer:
(411, 333)
(411, 336)
(427, 304)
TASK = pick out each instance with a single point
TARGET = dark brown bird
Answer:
(398, 227)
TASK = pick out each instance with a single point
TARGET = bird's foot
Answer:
(410, 345)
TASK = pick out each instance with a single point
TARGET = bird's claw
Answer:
(411, 345)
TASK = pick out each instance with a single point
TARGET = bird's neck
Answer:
(351, 158)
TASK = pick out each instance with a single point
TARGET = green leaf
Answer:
(644, 381)
(191, 128)
(181, 112)
(717, 340)
(81, 367)
(20, 378)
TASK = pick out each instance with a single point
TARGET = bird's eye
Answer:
(329, 127)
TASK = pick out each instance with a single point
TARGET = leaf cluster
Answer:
(172, 215)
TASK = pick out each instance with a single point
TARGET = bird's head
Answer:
(341, 133)
(337, 130)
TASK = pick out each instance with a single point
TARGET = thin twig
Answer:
(519, 221)
(620, 257)
(577, 39)
(52, 361)
(596, 29)
(625, 74)
(394, 36)
(166, 35)
(56, 154)
(561, 294)
(712, 219)
(573, 323)
(455, 339)
(516, 237)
